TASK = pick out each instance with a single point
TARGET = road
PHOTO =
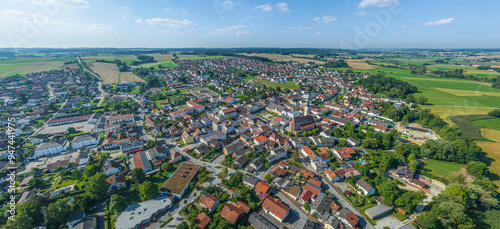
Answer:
(103, 94)
(362, 221)
(45, 123)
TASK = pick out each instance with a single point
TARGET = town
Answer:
(227, 142)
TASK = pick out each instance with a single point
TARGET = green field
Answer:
(444, 169)
(167, 63)
(195, 57)
(440, 91)
(288, 85)
(22, 66)
(492, 123)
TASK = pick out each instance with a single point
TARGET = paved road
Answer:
(45, 123)
(103, 94)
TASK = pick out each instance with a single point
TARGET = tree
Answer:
(478, 169)
(36, 172)
(307, 206)
(71, 130)
(90, 170)
(413, 162)
(429, 220)
(35, 183)
(148, 190)
(117, 204)
(57, 213)
(390, 191)
(138, 175)
(268, 178)
(96, 187)
(422, 100)
(267, 165)
(167, 167)
(409, 200)
(182, 225)
(494, 113)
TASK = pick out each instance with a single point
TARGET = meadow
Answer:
(268, 83)
(22, 66)
(443, 169)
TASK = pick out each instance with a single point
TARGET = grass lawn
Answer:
(443, 169)
(492, 123)
(157, 103)
(268, 83)
(64, 183)
(168, 63)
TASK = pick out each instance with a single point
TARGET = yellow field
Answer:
(492, 149)
(458, 92)
(280, 57)
(130, 77)
(359, 64)
(71, 66)
(107, 71)
(445, 112)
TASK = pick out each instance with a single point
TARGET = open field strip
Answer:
(359, 64)
(107, 71)
(492, 151)
(446, 111)
(459, 92)
(279, 57)
(268, 83)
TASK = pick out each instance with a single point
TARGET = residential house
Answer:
(366, 189)
(275, 208)
(209, 201)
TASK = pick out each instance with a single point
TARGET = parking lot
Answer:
(79, 126)
(60, 157)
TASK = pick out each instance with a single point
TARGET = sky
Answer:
(353, 24)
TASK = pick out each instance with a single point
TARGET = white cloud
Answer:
(325, 19)
(16, 16)
(64, 3)
(265, 7)
(236, 29)
(378, 3)
(283, 6)
(303, 28)
(400, 32)
(227, 3)
(445, 21)
(319, 33)
(362, 13)
(167, 22)
(99, 26)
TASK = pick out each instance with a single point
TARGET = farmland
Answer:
(129, 77)
(491, 148)
(279, 57)
(492, 123)
(22, 66)
(288, 85)
(107, 71)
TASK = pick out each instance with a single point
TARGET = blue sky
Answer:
(252, 23)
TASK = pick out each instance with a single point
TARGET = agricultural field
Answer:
(279, 57)
(492, 152)
(466, 124)
(444, 169)
(107, 71)
(195, 57)
(359, 64)
(492, 123)
(22, 66)
(288, 85)
(446, 111)
(129, 77)
(124, 58)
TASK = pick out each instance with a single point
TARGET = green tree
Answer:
(96, 187)
(413, 162)
(167, 167)
(422, 100)
(71, 130)
(495, 113)
(117, 204)
(307, 206)
(148, 190)
(429, 220)
(57, 213)
(90, 170)
(269, 178)
(35, 183)
(390, 191)
(138, 175)
(182, 225)
(478, 169)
